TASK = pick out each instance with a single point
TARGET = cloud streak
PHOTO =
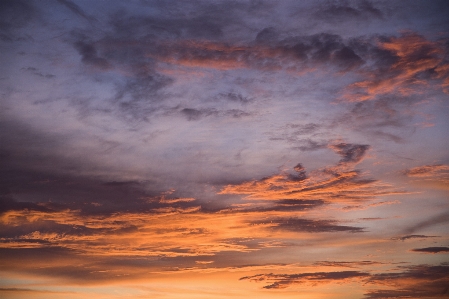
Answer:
(422, 281)
(339, 184)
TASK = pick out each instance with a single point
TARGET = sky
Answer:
(224, 149)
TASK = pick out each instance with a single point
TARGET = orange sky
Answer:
(225, 149)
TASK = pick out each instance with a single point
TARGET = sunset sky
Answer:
(224, 149)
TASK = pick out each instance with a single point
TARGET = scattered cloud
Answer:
(339, 183)
(422, 281)
(280, 281)
(149, 142)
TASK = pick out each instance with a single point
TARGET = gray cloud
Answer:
(307, 225)
(350, 153)
(280, 281)
(348, 10)
(422, 281)
(435, 220)
(407, 237)
(196, 114)
(355, 264)
(14, 14)
(431, 249)
(90, 56)
(236, 97)
(76, 9)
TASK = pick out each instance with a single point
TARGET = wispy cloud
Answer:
(415, 61)
(433, 221)
(280, 281)
(407, 237)
(436, 249)
(428, 171)
(422, 281)
(340, 183)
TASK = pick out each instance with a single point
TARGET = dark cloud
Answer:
(350, 153)
(14, 14)
(427, 171)
(415, 60)
(300, 52)
(300, 129)
(422, 225)
(286, 205)
(422, 281)
(346, 10)
(267, 35)
(307, 225)
(9, 204)
(340, 183)
(308, 144)
(280, 281)
(356, 264)
(8, 291)
(407, 237)
(200, 26)
(431, 249)
(196, 114)
(36, 72)
(383, 118)
(347, 58)
(300, 174)
(76, 9)
(236, 97)
(295, 133)
(90, 56)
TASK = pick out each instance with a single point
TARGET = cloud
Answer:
(285, 205)
(417, 61)
(267, 35)
(280, 281)
(346, 11)
(306, 225)
(196, 114)
(90, 56)
(14, 14)
(356, 264)
(426, 171)
(422, 281)
(350, 153)
(301, 136)
(76, 9)
(422, 225)
(236, 97)
(431, 249)
(386, 118)
(407, 237)
(338, 184)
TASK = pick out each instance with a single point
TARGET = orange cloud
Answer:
(340, 183)
(427, 171)
(422, 281)
(415, 56)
